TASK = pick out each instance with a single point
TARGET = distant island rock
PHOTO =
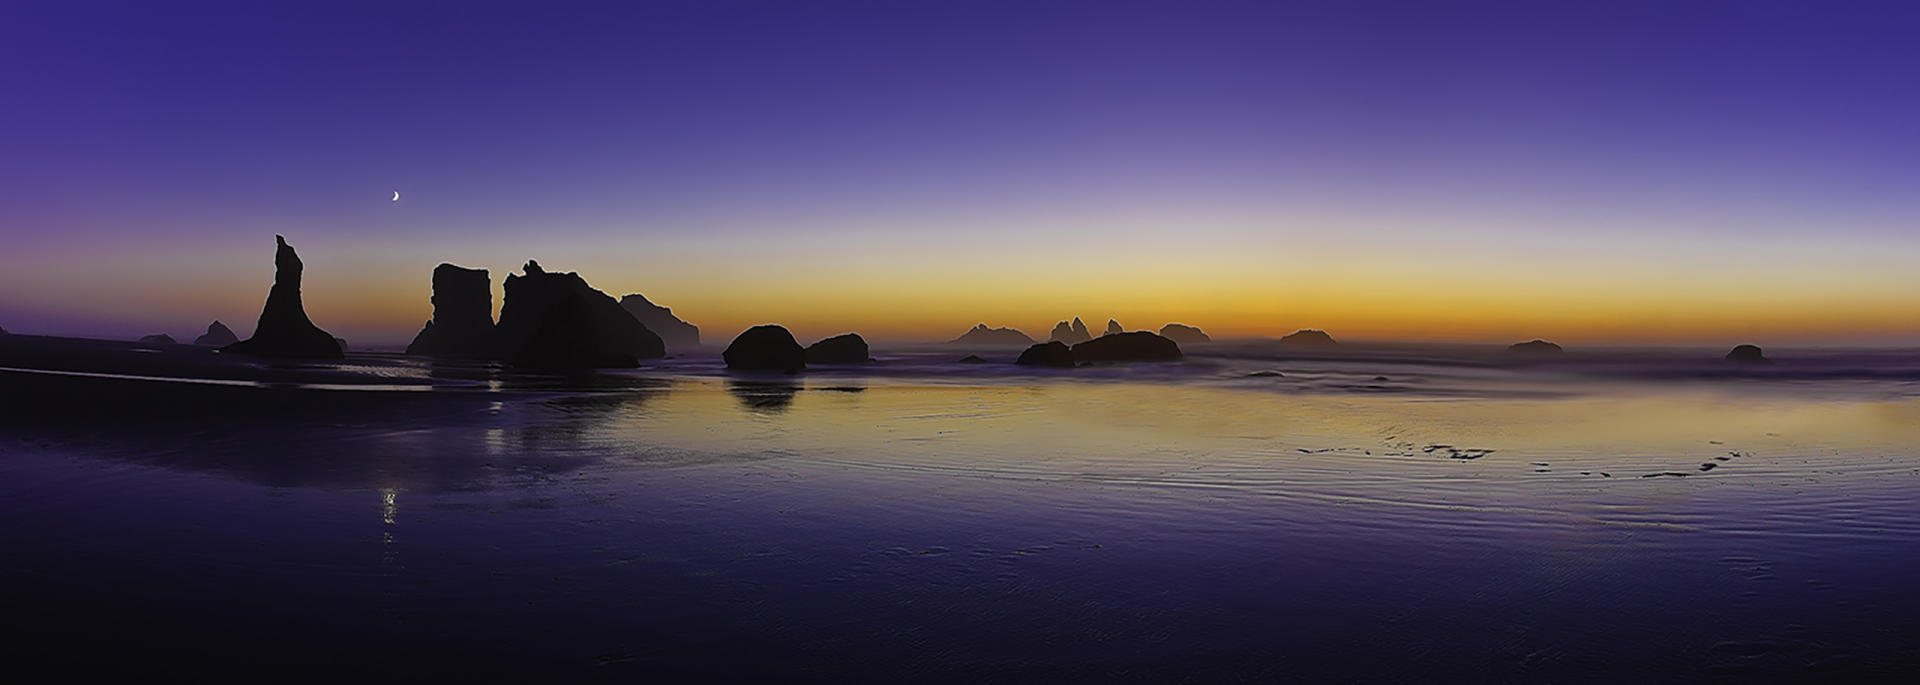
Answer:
(1534, 346)
(765, 348)
(849, 348)
(1051, 353)
(1747, 353)
(1138, 346)
(157, 339)
(972, 359)
(284, 329)
(678, 335)
(980, 334)
(1309, 336)
(217, 335)
(1182, 333)
(1114, 327)
(1071, 333)
(462, 323)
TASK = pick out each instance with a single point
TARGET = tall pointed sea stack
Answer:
(462, 324)
(556, 320)
(284, 329)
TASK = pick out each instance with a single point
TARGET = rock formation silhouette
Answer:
(342, 342)
(462, 323)
(217, 335)
(1138, 346)
(1113, 327)
(1051, 353)
(157, 339)
(1309, 336)
(1534, 346)
(840, 349)
(678, 335)
(284, 329)
(972, 359)
(766, 347)
(1071, 333)
(1182, 333)
(981, 335)
(1747, 353)
(3, 331)
(555, 320)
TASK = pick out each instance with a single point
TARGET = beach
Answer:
(1246, 515)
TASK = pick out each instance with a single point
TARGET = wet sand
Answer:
(1142, 524)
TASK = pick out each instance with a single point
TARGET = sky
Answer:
(1591, 173)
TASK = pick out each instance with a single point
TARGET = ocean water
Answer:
(1252, 514)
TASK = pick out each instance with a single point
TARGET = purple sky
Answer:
(625, 139)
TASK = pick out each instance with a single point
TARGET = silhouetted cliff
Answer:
(1138, 346)
(556, 320)
(284, 329)
(1535, 346)
(1051, 353)
(1747, 353)
(1182, 333)
(217, 335)
(1309, 336)
(766, 347)
(678, 335)
(840, 349)
(462, 323)
(981, 335)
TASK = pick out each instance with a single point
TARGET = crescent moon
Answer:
(396, 196)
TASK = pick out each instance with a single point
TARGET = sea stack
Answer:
(767, 347)
(1182, 333)
(679, 336)
(1138, 346)
(1309, 336)
(284, 329)
(1748, 353)
(1535, 346)
(1114, 327)
(462, 323)
(217, 335)
(980, 334)
(1051, 353)
(557, 321)
(1071, 333)
(840, 349)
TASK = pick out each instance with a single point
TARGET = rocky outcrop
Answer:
(1051, 353)
(462, 323)
(678, 335)
(1182, 333)
(1747, 353)
(980, 334)
(157, 339)
(284, 329)
(217, 335)
(840, 349)
(1071, 333)
(1535, 346)
(972, 359)
(765, 348)
(1138, 346)
(1309, 336)
(1113, 327)
(556, 320)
